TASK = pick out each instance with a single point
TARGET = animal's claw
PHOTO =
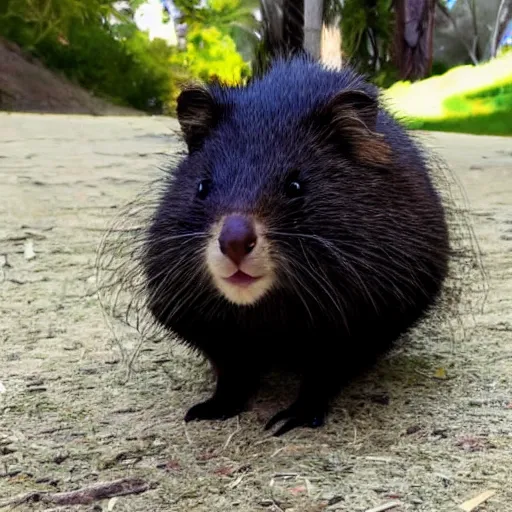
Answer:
(297, 415)
(212, 409)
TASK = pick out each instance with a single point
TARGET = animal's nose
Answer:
(237, 237)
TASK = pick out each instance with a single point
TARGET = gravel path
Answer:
(68, 419)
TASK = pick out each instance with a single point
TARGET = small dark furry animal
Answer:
(302, 230)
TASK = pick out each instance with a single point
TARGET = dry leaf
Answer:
(224, 471)
(2, 388)
(440, 373)
(172, 465)
(473, 443)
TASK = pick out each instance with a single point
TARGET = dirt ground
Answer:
(404, 433)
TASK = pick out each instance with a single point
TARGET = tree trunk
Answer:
(460, 34)
(502, 18)
(293, 25)
(413, 45)
(313, 23)
(282, 32)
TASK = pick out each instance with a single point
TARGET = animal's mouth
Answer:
(238, 259)
(240, 278)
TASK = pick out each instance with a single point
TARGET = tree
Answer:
(503, 18)
(236, 18)
(294, 26)
(475, 28)
(211, 54)
(413, 41)
(313, 22)
(367, 28)
(95, 45)
(281, 32)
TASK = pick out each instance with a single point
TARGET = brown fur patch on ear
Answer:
(197, 114)
(354, 117)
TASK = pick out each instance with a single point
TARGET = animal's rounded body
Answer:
(302, 229)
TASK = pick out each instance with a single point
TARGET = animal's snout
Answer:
(237, 237)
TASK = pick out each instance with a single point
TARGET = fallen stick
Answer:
(84, 496)
(473, 503)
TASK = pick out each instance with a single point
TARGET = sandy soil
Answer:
(68, 419)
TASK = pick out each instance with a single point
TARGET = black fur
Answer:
(361, 255)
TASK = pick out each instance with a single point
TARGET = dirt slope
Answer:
(27, 86)
(67, 419)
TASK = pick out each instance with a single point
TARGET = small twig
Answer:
(19, 238)
(285, 475)
(233, 434)
(15, 281)
(474, 503)
(84, 496)
(278, 451)
(381, 459)
(236, 482)
(187, 435)
(276, 506)
(308, 486)
(386, 506)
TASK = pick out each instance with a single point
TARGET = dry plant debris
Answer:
(474, 503)
(69, 418)
(84, 496)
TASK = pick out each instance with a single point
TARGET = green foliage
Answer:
(132, 71)
(216, 31)
(221, 14)
(505, 50)
(29, 23)
(471, 99)
(497, 123)
(212, 54)
(77, 37)
(438, 68)
(367, 28)
(234, 18)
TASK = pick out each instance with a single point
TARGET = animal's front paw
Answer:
(297, 415)
(212, 409)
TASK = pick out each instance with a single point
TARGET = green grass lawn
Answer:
(469, 99)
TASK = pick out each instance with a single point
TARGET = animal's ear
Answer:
(351, 120)
(197, 114)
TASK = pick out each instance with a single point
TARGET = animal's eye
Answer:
(204, 188)
(294, 188)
